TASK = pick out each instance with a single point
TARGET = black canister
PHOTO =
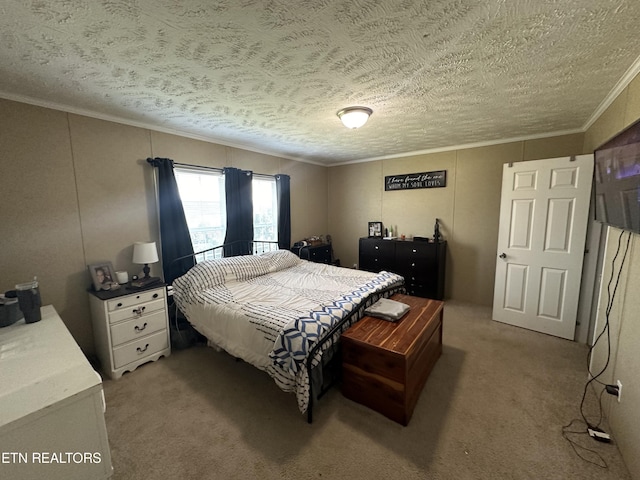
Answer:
(29, 300)
(9, 311)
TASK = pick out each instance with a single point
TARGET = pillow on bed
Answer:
(280, 259)
(205, 274)
(243, 267)
(211, 273)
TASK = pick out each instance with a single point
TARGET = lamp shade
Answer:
(354, 117)
(145, 252)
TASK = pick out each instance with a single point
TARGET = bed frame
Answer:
(328, 370)
(331, 365)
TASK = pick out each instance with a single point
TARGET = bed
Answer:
(282, 314)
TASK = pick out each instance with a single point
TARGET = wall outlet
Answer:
(619, 383)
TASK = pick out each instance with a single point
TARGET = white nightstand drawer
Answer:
(136, 311)
(138, 327)
(135, 299)
(131, 328)
(144, 347)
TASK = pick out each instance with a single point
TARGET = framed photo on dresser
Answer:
(102, 275)
(375, 229)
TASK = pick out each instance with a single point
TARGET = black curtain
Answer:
(174, 233)
(239, 198)
(283, 190)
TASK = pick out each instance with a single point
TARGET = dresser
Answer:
(421, 263)
(130, 327)
(51, 405)
(316, 253)
(386, 364)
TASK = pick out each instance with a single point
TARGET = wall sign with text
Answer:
(409, 181)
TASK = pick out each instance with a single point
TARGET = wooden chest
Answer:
(386, 364)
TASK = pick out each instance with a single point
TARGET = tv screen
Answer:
(617, 180)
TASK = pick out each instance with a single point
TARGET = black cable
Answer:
(173, 306)
(610, 299)
(606, 329)
(579, 449)
(594, 378)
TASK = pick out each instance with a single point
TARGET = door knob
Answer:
(503, 255)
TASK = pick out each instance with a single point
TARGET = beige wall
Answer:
(40, 231)
(77, 190)
(468, 207)
(624, 320)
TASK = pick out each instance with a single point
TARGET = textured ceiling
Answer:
(270, 75)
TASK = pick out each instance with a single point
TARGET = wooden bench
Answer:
(386, 364)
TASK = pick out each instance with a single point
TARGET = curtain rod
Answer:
(200, 167)
(196, 167)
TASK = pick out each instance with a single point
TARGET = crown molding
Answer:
(463, 146)
(628, 76)
(623, 83)
(147, 126)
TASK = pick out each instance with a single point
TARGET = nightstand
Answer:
(130, 327)
(320, 253)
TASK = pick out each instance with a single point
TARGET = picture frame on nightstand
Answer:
(375, 229)
(102, 275)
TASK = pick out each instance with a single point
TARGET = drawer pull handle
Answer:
(155, 295)
(120, 304)
(138, 311)
(139, 329)
(142, 350)
(376, 247)
(414, 250)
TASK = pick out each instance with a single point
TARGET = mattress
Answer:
(271, 309)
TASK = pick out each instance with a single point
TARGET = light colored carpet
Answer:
(493, 408)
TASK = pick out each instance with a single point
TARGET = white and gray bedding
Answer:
(271, 309)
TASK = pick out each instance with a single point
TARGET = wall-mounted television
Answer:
(617, 180)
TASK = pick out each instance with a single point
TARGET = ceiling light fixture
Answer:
(354, 117)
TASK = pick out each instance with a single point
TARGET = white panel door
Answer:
(543, 224)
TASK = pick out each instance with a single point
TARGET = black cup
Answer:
(29, 301)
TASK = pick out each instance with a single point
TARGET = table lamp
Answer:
(145, 253)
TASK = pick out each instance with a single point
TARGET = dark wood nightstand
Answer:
(314, 253)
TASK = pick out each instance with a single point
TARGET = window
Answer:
(265, 209)
(203, 200)
(202, 194)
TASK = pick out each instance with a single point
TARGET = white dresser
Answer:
(130, 328)
(51, 405)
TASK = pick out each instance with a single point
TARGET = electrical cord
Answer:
(175, 322)
(174, 307)
(606, 329)
(610, 298)
(579, 449)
